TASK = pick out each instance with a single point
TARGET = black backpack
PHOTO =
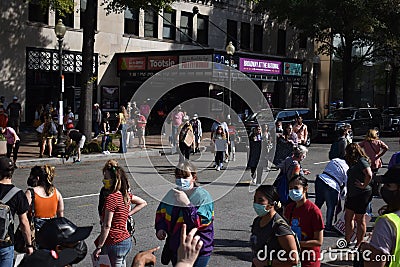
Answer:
(334, 151)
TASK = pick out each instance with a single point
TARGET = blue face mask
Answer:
(296, 194)
(261, 210)
(183, 184)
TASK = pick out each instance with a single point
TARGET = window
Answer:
(245, 36)
(186, 26)
(169, 22)
(281, 47)
(150, 23)
(232, 32)
(131, 22)
(84, 16)
(257, 38)
(202, 29)
(38, 13)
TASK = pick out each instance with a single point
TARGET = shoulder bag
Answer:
(19, 241)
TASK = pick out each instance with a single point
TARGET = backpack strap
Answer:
(33, 201)
(10, 194)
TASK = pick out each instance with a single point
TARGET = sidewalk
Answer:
(28, 154)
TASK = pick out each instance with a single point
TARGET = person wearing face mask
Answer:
(385, 240)
(270, 231)
(114, 208)
(61, 243)
(306, 221)
(359, 192)
(186, 204)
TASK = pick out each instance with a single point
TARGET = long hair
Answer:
(271, 195)
(222, 133)
(119, 178)
(186, 169)
(46, 175)
(122, 110)
(353, 153)
(371, 135)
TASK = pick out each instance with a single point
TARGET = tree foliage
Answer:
(355, 23)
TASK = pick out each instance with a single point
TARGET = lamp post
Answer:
(388, 68)
(316, 65)
(60, 30)
(230, 50)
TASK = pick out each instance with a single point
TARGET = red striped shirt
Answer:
(118, 232)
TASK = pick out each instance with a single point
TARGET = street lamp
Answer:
(388, 68)
(60, 30)
(230, 50)
(316, 66)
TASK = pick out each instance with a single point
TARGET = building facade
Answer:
(29, 48)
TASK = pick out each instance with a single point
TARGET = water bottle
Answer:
(296, 228)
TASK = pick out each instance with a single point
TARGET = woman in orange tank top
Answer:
(48, 200)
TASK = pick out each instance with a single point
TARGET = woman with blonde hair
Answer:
(47, 200)
(123, 117)
(359, 192)
(115, 207)
(374, 149)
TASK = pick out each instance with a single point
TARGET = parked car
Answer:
(287, 115)
(391, 120)
(360, 119)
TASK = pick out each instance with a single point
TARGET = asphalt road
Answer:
(150, 177)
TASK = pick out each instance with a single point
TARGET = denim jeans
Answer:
(201, 261)
(173, 134)
(122, 139)
(118, 252)
(104, 142)
(6, 256)
(325, 193)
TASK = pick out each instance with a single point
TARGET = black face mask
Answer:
(81, 249)
(392, 198)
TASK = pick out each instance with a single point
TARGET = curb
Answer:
(89, 158)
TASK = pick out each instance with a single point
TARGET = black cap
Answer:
(47, 258)
(59, 231)
(392, 176)
(6, 164)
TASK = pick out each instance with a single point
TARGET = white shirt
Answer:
(338, 169)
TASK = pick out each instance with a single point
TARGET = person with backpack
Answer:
(289, 168)
(115, 208)
(306, 221)
(271, 232)
(338, 148)
(12, 201)
(330, 186)
(186, 139)
(386, 234)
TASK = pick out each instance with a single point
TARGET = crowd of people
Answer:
(185, 216)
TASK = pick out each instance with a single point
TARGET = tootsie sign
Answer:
(161, 62)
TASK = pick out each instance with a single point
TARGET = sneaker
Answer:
(253, 181)
(218, 168)
(226, 160)
(104, 153)
(108, 152)
(77, 161)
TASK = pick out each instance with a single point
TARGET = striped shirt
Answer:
(118, 231)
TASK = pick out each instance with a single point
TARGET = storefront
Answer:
(276, 77)
(43, 79)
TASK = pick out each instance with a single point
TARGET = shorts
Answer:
(359, 203)
(82, 141)
(141, 132)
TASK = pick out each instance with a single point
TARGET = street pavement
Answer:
(149, 177)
